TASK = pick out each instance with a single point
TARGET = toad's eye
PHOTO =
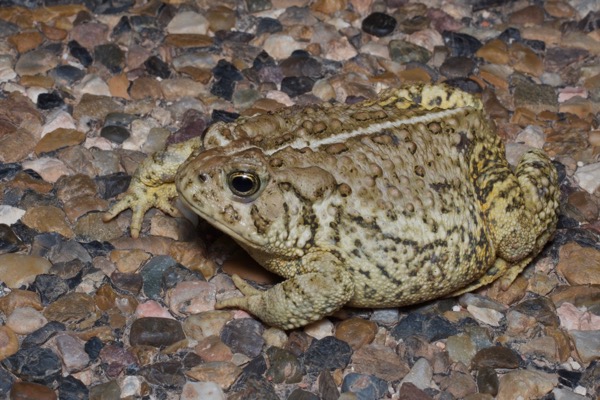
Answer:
(243, 183)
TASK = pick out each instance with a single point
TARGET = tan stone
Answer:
(188, 40)
(9, 342)
(221, 372)
(25, 41)
(357, 332)
(47, 219)
(213, 349)
(53, 33)
(37, 81)
(192, 255)
(128, 260)
(59, 138)
(414, 75)
(380, 361)
(329, 7)
(559, 9)
(17, 270)
(495, 51)
(20, 298)
(523, 59)
(118, 86)
(145, 87)
(579, 265)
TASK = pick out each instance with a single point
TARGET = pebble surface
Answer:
(88, 91)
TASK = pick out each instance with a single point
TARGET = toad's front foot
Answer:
(140, 198)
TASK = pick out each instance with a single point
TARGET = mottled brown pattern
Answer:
(387, 202)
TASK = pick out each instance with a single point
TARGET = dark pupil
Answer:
(242, 183)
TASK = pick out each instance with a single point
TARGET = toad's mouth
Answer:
(222, 225)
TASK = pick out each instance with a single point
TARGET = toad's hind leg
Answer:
(521, 210)
(307, 296)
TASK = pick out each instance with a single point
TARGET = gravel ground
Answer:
(89, 89)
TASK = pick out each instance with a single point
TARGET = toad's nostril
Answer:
(203, 177)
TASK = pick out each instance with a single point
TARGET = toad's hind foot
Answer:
(295, 302)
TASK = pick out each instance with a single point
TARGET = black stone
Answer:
(123, 26)
(510, 35)
(536, 45)
(223, 116)
(431, 327)
(487, 381)
(540, 308)
(457, 67)
(464, 84)
(48, 101)
(128, 282)
(178, 273)
(50, 287)
(461, 44)
(7, 28)
(244, 336)
(80, 53)
(9, 241)
(192, 125)
(67, 74)
(479, 5)
(115, 133)
(379, 24)
(300, 394)
(96, 248)
(35, 364)
(590, 22)
(92, 347)
(9, 170)
(119, 119)
(152, 274)
(496, 357)
(268, 25)
(328, 353)
(233, 36)
(365, 387)
(69, 270)
(43, 334)
(300, 63)
(6, 382)
(155, 332)
(71, 388)
(252, 387)
(190, 360)
(591, 377)
(139, 23)
(296, 85)
(257, 366)
(111, 56)
(327, 388)
(262, 60)
(67, 250)
(157, 67)
(112, 185)
(226, 74)
(569, 378)
(108, 6)
(283, 366)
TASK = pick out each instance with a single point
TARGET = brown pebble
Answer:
(31, 391)
(356, 332)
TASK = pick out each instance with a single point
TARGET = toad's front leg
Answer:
(152, 184)
(303, 298)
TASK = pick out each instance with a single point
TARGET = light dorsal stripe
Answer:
(341, 137)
